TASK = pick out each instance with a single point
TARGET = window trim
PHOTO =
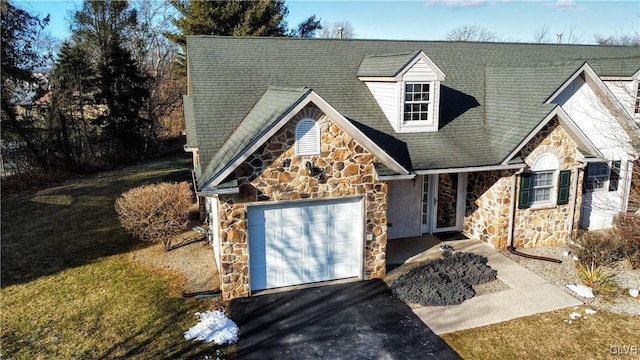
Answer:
(590, 176)
(553, 174)
(545, 164)
(612, 178)
(429, 103)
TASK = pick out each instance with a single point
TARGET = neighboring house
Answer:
(311, 154)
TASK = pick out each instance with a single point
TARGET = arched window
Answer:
(307, 137)
(543, 180)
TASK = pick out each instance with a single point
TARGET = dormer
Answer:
(407, 88)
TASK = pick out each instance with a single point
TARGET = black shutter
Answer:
(564, 183)
(614, 175)
(525, 191)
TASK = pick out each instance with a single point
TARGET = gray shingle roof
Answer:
(189, 121)
(385, 65)
(274, 103)
(505, 92)
(493, 94)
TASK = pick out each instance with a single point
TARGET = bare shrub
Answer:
(627, 227)
(155, 212)
(600, 247)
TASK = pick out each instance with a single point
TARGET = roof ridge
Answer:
(412, 52)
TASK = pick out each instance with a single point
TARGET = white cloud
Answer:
(457, 4)
(565, 4)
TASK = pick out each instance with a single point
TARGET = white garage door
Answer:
(303, 242)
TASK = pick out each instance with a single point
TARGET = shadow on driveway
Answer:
(358, 320)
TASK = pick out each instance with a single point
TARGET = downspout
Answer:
(627, 186)
(575, 197)
(512, 207)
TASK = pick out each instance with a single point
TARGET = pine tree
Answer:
(73, 85)
(123, 90)
(102, 27)
(234, 18)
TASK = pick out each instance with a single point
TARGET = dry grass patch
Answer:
(548, 336)
(193, 265)
(109, 309)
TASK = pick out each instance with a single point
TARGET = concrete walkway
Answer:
(529, 293)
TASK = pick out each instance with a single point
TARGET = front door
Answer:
(443, 199)
(447, 214)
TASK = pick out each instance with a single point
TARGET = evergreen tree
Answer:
(20, 32)
(73, 85)
(103, 28)
(122, 89)
(307, 28)
(234, 18)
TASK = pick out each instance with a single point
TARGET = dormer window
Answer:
(407, 88)
(417, 102)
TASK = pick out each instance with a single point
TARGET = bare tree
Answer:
(569, 36)
(330, 30)
(155, 55)
(541, 35)
(472, 33)
(619, 40)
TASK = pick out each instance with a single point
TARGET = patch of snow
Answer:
(582, 290)
(214, 326)
(590, 311)
(574, 315)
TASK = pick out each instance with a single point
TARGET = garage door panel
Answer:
(344, 248)
(343, 269)
(291, 254)
(343, 227)
(319, 230)
(318, 252)
(302, 242)
(293, 214)
(289, 234)
(317, 273)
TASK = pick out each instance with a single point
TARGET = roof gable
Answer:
(391, 67)
(569, 127)
(605, 95)
(274, 109)
(274, 104)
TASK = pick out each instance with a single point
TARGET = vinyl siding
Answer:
(624, 91)
(420, 71)
(387, 96)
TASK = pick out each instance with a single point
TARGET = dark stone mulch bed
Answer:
(446, 281)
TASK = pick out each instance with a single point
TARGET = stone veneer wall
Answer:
(549, 225)
(489, 194)
(487, 207)
(275, 173)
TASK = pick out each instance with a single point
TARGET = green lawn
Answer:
(69, 287)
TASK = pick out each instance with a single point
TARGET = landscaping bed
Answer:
(446, 281)
(566, 273)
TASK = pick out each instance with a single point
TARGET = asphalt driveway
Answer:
(358, 320)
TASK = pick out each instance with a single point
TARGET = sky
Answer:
(512, 20)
